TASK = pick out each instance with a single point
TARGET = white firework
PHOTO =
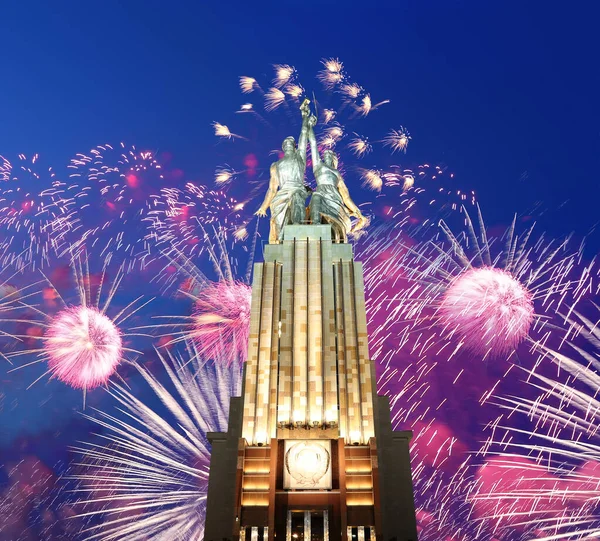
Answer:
(154, 460)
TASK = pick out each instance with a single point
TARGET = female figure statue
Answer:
(331, 202)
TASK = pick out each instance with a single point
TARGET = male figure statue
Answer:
(287, 192)
(331, 202)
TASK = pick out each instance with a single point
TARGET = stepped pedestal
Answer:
(310, 453)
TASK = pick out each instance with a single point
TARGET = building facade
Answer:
(310, 453)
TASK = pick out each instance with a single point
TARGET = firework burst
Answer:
(248, 84)
(224, 175)
(221, 320)
(274, 98)
(81, 343)
(360, 146)
(366, 106)
(220, 316)
(223, 131)
(185, 217)
(83, 346)
(372, 179)
(488, 305)
(37, 214)
(283, 74)
(155, 465)
(397, 140)
(128, 184)
(555, 462)
(412, 345)
(332, 73)
(491, 308)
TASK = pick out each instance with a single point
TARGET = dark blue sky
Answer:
(495, 90)
(505, 93)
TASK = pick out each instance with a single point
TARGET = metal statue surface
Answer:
(286, 197)
(331, 202)
(287, 193)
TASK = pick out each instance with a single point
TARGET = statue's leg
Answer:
(297, 209)
(315, 209)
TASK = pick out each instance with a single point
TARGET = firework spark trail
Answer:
(328, 115)
(556, 458)
(12, 300)
(223, 131)
(128, 184)
(350, 90)
(224, 175)
(331, 136)
(37, 213)
(182, 221)
(248, 84)
(274, 98)
(154, 464)
(5, 169)
(366, 106)
(82, 345)
(294, 90)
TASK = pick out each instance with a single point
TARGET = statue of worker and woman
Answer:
(330, 202)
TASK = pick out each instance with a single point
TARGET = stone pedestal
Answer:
(309, 382)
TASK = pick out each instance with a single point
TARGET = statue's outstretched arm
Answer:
(273, 186)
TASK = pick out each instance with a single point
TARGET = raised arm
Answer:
(314, 148)
(305, 111)
(273, 186)
(303, 137)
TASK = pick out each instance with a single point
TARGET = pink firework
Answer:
(83, 346)
(221, 320)
(488, 309)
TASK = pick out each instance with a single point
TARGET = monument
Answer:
(310, 453)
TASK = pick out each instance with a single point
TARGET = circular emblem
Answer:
(307, 463)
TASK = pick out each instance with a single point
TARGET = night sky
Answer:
(504, 93)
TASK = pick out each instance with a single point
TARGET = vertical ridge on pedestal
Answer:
(284, 407)
(300, 328)
(329, 349)
(274, 353)
(264, 354)
(250, 382)
(315, 333)
(362, 344)
(323, 316)
(341, 349)
(359, 364)
(354, 423)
